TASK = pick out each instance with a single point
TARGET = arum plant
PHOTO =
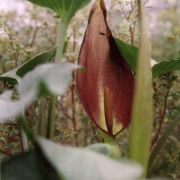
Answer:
(48, 159)
(141, 125)
(106, 86)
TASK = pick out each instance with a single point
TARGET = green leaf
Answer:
(10, 80)
(165, 67)
(28, 166)
(36, 60)
(13, 76)
(129, 52)
(83, 164)
(10, 77)
(66, 9)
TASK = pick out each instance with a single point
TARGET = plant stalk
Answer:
(24, 140)
(41, 126)
(25, 128)
(141, 122)
(116, 154)
(51, 118)
(58, 59)
(61, 42)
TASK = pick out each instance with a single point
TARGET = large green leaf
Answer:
(165, 67)
(66, 9)
(129, 53)
(36, 60)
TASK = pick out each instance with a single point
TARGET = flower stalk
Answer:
(58, 58)
(141, 122)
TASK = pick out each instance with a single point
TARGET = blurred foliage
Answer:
(24, 35)
(166, 43)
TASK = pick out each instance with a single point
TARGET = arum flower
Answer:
(106, 87)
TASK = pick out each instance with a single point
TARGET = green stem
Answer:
(41, 126)
(24, 140)
(107, 139)
(116, 154)
(25, 127)
(61, 42)
(51, 118)
(141, 124)
(58, 59)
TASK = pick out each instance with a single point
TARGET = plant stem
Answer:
(41, 127)
(51, 118)
(141, 124)
(162, 111)
(107, 139)
(112, 142)
(58, 59)
(24, 140)
(74, 110)
(28, 132)
(61, 42)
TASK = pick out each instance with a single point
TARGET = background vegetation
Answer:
(23, 35)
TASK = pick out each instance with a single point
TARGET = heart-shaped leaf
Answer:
(66, 9)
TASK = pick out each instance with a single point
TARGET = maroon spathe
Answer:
(106, 86)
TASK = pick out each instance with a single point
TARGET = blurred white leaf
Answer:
(83, 164)
(101, 148)
(10, 108)
(55, 76)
